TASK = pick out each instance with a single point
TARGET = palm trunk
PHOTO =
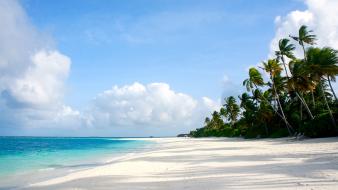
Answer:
(299, 97)
(305, 105)
(334, 94)
(286, 72)
(313, 99)
(274, 109)
(288, 126)
(303, 51)
(327, 104)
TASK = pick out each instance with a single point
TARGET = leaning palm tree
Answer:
(304, 37)
(300, 83)
(322, 63)
(285, 49)
(272, 67)
(255, 79)
(328, 61)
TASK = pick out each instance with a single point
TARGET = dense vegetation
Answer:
(297, 98)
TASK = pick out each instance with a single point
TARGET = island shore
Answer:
(225, 163)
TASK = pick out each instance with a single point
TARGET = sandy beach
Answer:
(184, 163)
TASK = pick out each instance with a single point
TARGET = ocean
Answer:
(29, 154)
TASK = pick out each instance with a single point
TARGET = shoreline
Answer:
(18, 179)
(212, 163)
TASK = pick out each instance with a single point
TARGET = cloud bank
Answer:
(154, 105)
(33, 75)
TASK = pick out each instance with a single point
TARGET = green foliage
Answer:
(299, 100)
(304, 36)
(282, 132)
(321, 126)
(285, 49)
(231, 110)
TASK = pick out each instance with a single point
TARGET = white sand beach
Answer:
(200, 164)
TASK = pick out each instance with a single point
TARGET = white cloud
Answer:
(41, 84)
(32, 81)
(32, 73)
(321, 16)
(151, 105)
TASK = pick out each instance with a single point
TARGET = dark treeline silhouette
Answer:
(298, 97)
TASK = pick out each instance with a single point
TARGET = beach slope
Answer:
(200, 164)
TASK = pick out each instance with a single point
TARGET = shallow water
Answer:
(26, 154)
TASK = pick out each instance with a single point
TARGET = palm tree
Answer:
(272, 67)
(245, 98)
(322, 63)
(285, 49)
(300, 82)
(216, 121)
(278, 100)
(304, 37)
(255, 79)
(223, 112)
(232, 109)
(247, 102)
(249, 109)
(330, 57)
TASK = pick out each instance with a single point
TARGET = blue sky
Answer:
(137, 67)
(190, 45)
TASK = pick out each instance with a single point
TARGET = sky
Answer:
(137, 68)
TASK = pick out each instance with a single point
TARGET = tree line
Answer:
(297, 99)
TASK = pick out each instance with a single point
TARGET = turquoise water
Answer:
(22, 154)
